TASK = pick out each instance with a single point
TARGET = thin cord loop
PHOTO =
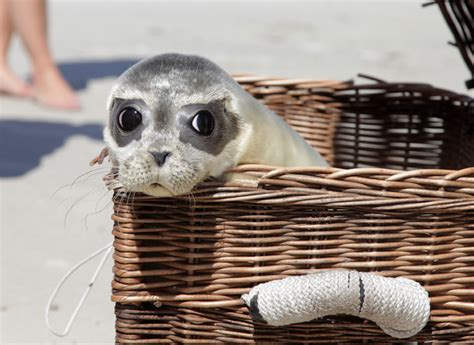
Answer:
(108, 248)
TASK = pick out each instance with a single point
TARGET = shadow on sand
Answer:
(79, 73)
(24, 143)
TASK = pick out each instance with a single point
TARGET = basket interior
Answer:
(401, 126)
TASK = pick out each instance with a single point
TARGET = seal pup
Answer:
(175, 120)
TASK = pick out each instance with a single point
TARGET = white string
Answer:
(108, 248)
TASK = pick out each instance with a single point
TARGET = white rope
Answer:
(108, 248)
(399, 306)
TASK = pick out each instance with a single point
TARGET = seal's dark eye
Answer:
(129, 119)
(203, 122)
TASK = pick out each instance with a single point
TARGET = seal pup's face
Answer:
(172, 123)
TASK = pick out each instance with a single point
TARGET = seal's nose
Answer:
(160, 157)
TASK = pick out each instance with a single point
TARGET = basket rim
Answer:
(364, 188)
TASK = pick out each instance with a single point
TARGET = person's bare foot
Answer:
(12, 85)
(51, 90)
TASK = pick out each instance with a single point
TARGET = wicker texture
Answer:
(196, 255)
(459, 15)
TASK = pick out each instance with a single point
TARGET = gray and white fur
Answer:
(164, 155)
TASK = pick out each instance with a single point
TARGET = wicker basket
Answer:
(459, 15)
(389, 207)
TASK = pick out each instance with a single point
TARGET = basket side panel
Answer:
(146, 324)
(200, 257)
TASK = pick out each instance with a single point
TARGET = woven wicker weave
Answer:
(377, 211)
(459, 15)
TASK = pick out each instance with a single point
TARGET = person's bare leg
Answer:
(10, 83)
(50, 88)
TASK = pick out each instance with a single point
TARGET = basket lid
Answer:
(459, 15)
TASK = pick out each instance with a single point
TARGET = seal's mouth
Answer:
(158, 190)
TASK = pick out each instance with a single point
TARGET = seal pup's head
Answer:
(173, 122)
